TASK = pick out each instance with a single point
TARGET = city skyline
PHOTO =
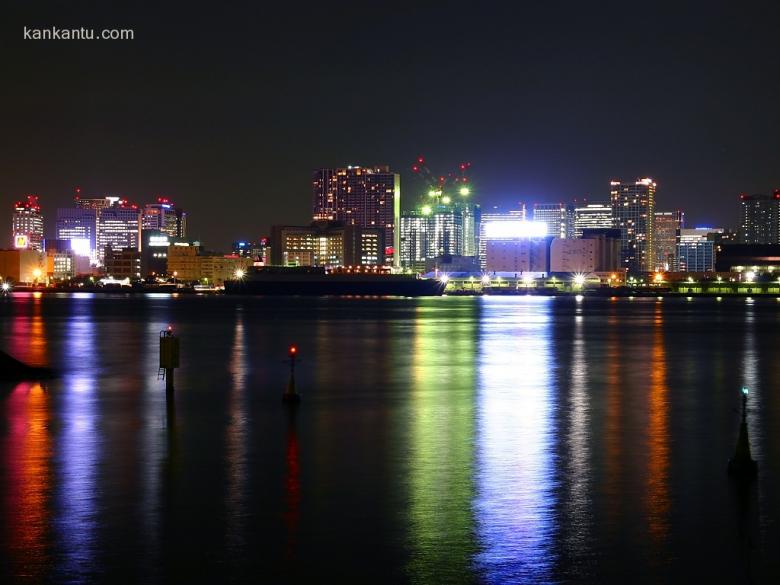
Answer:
(408, 203)
(536, 98)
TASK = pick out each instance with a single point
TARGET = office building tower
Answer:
(79, 227)
(119, 228)
(367, 197)
(496, 215)
(27, 224)
(667, 231)
(165, 217)
(760, 219)
(327, 243)
(696, 249)
(590, 215)
(414, 231)
(633, 213)
(439, 230)
(559, 218)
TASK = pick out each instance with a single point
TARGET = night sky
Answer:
(228, 109)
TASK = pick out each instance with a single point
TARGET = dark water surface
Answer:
(498, 440)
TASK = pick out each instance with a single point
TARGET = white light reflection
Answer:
(577, 504)
(515, 502)
(751, 380)
(80, 452)
(154, 451)
(236, 440)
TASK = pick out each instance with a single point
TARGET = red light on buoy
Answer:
(293, 350)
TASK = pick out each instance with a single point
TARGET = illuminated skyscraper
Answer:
(368, 197)
(163, 216)
(559, 218)
(439, 230)
(760, 221)
(667, 233)
(590, 215)
(119, 227)
(27, 224)
(633, 213)
(414, 230)
(78, 226)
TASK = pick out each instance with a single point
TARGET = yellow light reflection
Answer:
(442, 438)
(658, 437)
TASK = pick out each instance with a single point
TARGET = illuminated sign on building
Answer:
(81, 246)
(159, 241)
(21, 241)
(508, 230)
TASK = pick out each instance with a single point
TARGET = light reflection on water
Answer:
(520, 439)
(515, 473)
(78, 454)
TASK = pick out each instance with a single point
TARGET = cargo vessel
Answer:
(317, 281)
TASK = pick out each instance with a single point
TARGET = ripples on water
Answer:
(498, 440)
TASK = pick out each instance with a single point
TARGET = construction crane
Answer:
(442, 188)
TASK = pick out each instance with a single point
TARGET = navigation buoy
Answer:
(742, 465)
(290, 395)
(169, 358)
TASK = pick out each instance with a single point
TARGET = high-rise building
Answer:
(633, 212)
(760, 221)
(79, 227)
(496, 215)
(165, 217)
(414, 230)
(27, 224)
(439, 230)
(590, 215)
(367, 197)
(667, 231)
(119, 228)
(696, 249)
(559, 218)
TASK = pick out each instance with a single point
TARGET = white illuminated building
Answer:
(516, 246)
(512, 215)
